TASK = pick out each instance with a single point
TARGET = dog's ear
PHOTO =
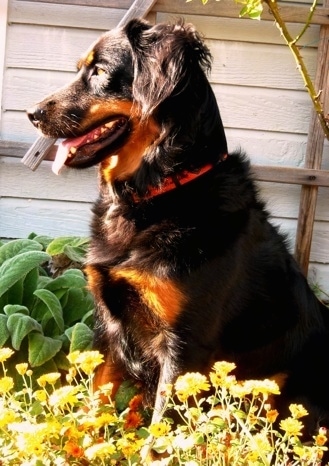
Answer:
(167, 59)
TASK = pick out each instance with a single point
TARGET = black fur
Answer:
(197, 273)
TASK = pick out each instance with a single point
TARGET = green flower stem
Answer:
(292, 44)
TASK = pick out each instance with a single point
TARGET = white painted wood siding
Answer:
(262, 99)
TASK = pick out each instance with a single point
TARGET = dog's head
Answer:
(140, 105)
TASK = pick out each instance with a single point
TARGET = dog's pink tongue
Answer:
(63, 152)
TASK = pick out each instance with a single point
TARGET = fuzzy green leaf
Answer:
(29, 286)
(54, 306)
(15, 292)
(81, 337)
(10, 309)
(42, 348)
(78, 304)
(4, 332)
(18, 246)
(17, 267)
(67, 280)
(58, 245)
(19, 326)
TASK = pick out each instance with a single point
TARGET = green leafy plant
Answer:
(45, 307)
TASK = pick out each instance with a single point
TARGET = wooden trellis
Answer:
(311, 176)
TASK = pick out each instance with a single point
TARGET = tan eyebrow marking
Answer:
(86, 60)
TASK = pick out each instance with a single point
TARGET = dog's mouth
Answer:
(91, 148)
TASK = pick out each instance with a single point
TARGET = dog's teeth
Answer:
(109, 125)
(73, 150)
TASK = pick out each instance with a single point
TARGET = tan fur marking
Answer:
(142, 136)
(93, 277)
(130, 155)
(161, 295)
(87, 59)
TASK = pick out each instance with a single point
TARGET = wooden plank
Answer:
(313, 159)
(269, 148)
(3, 35)
(65, 15)
(288, 175)
(138, 9)
(240, 107)
(37, 152)
(231, 9)
(20, 217)
(282, 200)
(224, 8)
(320, 249)
(71, 185)
(292, 175)
(62, 47)
(102, 19)
(269, 66)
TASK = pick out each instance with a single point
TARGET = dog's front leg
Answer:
(106, 373)
(168, 374)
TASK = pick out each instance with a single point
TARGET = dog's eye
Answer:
(99, 71)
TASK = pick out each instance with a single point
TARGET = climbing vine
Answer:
(254, 9)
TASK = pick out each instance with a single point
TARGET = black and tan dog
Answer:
(184, 265)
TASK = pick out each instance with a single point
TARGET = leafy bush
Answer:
(45, 308)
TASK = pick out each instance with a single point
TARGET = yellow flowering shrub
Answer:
(221, 421)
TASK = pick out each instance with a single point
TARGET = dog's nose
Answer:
(35, 114)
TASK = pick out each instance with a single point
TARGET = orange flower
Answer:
(271, 415)
(136, 402)
(320, 440)
(133, 420)
(73, 449)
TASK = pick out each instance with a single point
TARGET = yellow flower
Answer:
(160, 429)
(71, 375)
(129, 444)
(22, 368)
(223, 368)
(40, 395)
(64, 396)
(86, 361)
(6, 416)
(104, 419)
(30, 444)
(297, 411)
(190, 384)
(220, 377)
(6, 384)
(73, 357)
(265, 387)
(50, 378)
(291, 426)
(261, 442)
(100, 450)
(5, 353)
